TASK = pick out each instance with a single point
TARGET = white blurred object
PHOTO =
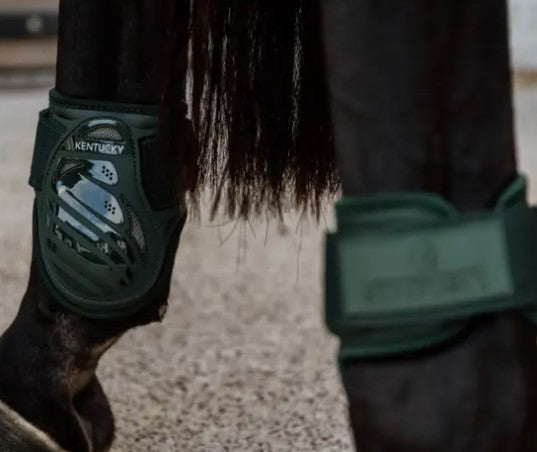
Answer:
(523, 24)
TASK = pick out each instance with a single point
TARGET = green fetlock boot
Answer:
(405, 271)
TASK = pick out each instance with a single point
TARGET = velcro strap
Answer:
(49, 132)
(450, 270)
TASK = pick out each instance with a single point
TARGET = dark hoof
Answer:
(82, 424)
(48, 378)
(18, 435)
(49, 357)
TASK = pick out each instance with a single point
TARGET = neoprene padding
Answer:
(405, 271)
(99, 243)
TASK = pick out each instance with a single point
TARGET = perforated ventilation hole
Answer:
(107, 173)
(137, 231)
(109, 207)
(66, 166)
(104, 133)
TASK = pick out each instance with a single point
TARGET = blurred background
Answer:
(242, 362)
(28, 30)
(523, 15)
(28, 39)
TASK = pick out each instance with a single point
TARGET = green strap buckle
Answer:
(405, 270)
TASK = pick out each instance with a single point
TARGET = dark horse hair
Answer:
(259, 106)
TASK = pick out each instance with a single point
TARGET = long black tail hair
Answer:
(258, 106)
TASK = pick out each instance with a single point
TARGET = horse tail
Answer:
(258, 106)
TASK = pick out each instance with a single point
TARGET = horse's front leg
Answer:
(48, 377)
(111, 70)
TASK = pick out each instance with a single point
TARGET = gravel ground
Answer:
(242, 361)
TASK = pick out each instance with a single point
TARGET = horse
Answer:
(259, 100)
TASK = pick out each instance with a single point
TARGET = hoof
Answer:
(18, 435)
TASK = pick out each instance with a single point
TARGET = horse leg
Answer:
(108, 51)
(421, 99)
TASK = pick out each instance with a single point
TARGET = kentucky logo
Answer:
(101, 148)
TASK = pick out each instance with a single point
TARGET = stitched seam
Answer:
(102, 108)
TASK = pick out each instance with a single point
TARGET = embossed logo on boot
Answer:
(426, 281)
(101, 148)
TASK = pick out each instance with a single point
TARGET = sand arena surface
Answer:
(242, 362)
